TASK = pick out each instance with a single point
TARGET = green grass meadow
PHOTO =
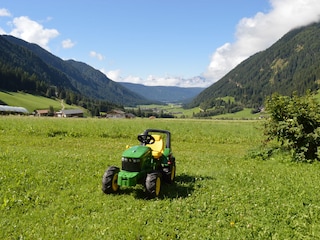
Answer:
(51, 171)
(31, 102)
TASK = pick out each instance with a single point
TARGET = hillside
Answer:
(32, 102)
(28, 67)
(291, 64)
(164, 94)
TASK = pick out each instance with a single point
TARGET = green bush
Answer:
(295, 123)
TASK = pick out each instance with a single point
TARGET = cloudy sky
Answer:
(190, 43)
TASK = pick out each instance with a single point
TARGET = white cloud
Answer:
(170, 81)
(260, 32)
(4, 12)
(113, 74)
(67, 43)
(132, 79)
(252, 35)
(99, 56)
(173, 81)
(151, 80)
(32, 31)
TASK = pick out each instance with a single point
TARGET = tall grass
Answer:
(51, 171)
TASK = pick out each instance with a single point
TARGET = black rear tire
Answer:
(153, 184)
(110, 180)
(169, 173)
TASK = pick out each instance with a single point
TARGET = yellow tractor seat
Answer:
(157, 147)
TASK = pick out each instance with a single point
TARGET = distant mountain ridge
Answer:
(20, 57)
(77, 77)
(290, 64)
(165, 94)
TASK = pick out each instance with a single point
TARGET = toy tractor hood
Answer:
(136, 151)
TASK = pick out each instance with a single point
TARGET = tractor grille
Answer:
(131, 164)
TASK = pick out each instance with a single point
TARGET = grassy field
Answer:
(174, 109)
(179, 112)
(51, 171)
(31, 102)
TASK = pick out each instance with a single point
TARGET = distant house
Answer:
(130, 115)
(119, 114)
(116, 114)
(42, 113)
(70, 113)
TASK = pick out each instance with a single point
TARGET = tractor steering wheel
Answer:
(146, 139)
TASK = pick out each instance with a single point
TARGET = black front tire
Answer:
(110, 180)
(153, 184)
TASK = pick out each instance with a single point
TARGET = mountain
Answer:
(20, 66)
(291, 64)
(39, 67)
(164, 94)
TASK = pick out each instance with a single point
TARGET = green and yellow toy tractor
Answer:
(148, 164)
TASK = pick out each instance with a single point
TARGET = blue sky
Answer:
(156, 42)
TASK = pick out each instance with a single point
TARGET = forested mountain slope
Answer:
(291, 64)
(28, 67)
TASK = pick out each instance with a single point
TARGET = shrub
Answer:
(295, 123)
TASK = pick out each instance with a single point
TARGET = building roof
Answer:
(72, 111)
(42, 111)
(4, 108)
(114, 111)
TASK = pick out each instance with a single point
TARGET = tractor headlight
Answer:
(124, 159)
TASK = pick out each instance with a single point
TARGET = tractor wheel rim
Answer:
(173, 172)
(158, 184)
(115, 182)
